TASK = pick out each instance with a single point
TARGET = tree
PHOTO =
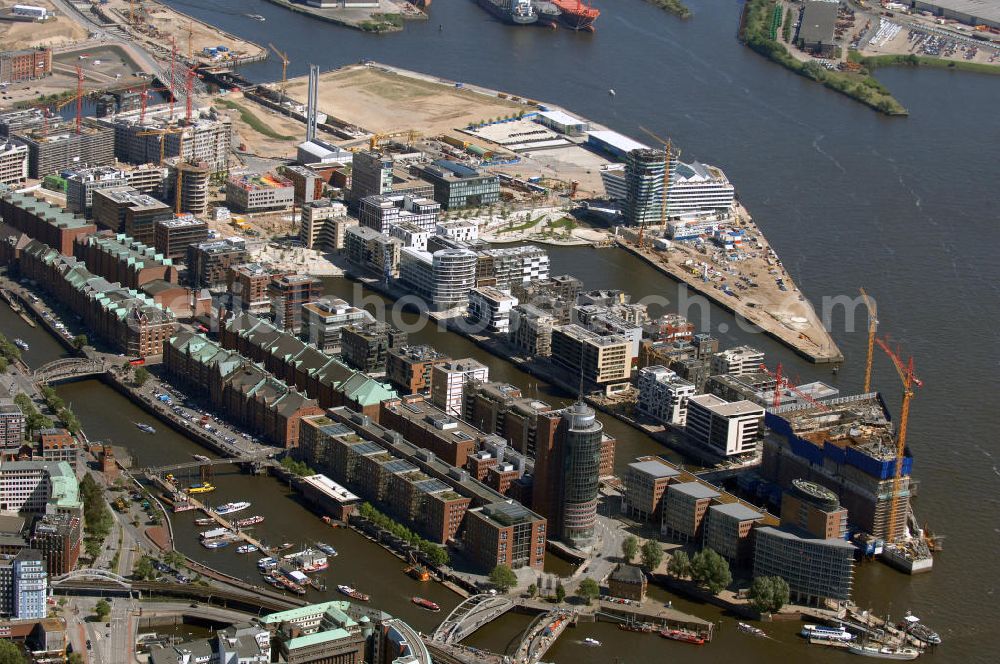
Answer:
(588, 590)
(102, 610)
(74, 658)
(10, 653)
(532, 590)
(503, 578)
(679, 565)
(630, 548)
(144, 569)
(140, 376)
(560, 592)
(710, 569)
(174, 558)
(79, 341)
(651, 554)
(768, 594)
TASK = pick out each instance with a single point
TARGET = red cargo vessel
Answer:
(577, 15)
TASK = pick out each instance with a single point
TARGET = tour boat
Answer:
(145, 428)
(267, 563)
(591, 642)
(425, 604)
(750, 629)
(326, 548)
(205, 521)
(216, 543)
(22, 344)
(820, 633)
(883, 652)
(229, 508)
(683, 635)
(352, 593)
(246, 548)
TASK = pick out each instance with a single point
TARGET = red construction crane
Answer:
(188, 92)
(782, 383)
(908, 380)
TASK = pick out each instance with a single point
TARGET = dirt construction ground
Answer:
(381, 101)
(53, 32)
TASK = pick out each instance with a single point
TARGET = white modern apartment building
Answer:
(38, 487)
(663, 395)
(13, 163)
(82, 183)
(461, 231)
(412, 236)
(726, 428)
(514, 265)
(490, 309)
(24, 584)
(443, 278)
(382, 212)
(737, 361)
(604, 360)
(259, 193)
(448, 383)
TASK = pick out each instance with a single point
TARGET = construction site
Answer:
(52, 32)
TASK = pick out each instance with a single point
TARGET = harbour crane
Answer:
(872, 328)
(667, 153)
(284, 69)
(909, 380)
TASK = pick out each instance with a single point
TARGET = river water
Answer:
(847, 197)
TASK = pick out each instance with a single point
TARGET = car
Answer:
(89, 644)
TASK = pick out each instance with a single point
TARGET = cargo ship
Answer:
(425, 604)
(577, 15)
(515, 12)
(548, 13)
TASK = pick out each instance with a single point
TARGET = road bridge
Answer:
(470, 615)
(69, 368)
(246, 458)
(250, 602)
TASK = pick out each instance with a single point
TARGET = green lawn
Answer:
(255, 123)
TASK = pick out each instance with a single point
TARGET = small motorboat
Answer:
(22, 344)
(326, 548)
(246, 548)
(593, 643)
(145, 428)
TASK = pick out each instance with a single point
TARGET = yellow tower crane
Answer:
(284, 68)
(162, 133)
(909, 380)
(872, 328)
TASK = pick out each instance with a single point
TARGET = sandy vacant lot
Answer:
(380, 101)
(54, 32)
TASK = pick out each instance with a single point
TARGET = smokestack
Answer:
(312, 102)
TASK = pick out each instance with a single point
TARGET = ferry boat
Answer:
(216, 543)
(22, 344)
(267, 563)
(326, 548)
(204, 521)
(425, 604)
(820, 634)
(249, 521)
(683, 635)
(199, 487)
(591, 642)
(883, 652)
(145, 428)
(353, 593)
(750, 629)
(229, 508)
(246, 548)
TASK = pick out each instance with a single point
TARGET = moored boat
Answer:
(308, 560)
(216, 543)
(230, 508)
(215, 533)
(918, 630)
(246, 548)
(205, 487)
(683, 635)
(819, 633)
(267, 563)
(249, 521)
(22, 344)
(577, 15)
(326, 548)
(883, 652)
(353, 593)
(204, 521)
(425, 604)
(418, 572)
(517, 12)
